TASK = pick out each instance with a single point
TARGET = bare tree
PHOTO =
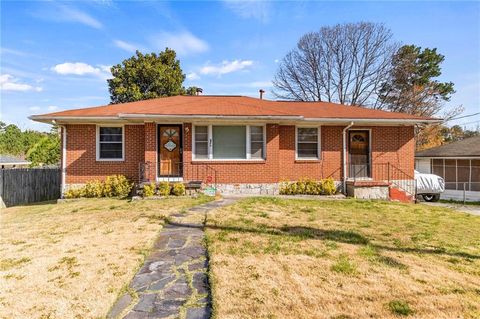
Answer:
(346, 63)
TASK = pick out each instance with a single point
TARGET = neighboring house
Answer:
(458, 163)
(9, 161)
(238, 143)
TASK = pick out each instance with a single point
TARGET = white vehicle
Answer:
(430, 186)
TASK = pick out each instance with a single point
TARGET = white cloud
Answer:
(80, 68)
(77, 68)
(276, 60)
(226, 67)
(75, 15)
(259, 10)
(34, 108)
(52, 107)
(105, 68)
(129, 47)
(12, 51)
(192, 76)
(184, 43)
(10, 83)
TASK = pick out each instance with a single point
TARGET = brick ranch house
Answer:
(240, 144)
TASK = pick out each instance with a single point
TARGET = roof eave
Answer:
(131, 117)
(213, 117)
(374, 121)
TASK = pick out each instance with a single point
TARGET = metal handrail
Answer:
(196, 172)
(385, 172)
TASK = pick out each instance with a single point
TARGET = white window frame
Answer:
(248, 146)
(319, 144)
(97, 143)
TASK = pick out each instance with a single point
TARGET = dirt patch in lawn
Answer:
(276, 258)
(71, 260)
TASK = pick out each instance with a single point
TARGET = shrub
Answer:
(149, 190)
(113, 186)
(400, 307)
(74, 192)
(163, 188)
(329, 186)
(308, 187)
(178, 189)
(117, 186)
(94, 189)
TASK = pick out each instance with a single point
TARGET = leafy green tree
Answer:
(411, 86)
(11, 140)
(44, 147)
(30, 138)
(45, 152)
(146, 76)
(192, 90)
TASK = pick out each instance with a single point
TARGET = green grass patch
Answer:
(344, 266)
(400, 308)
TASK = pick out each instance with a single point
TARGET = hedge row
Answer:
(163, 189)
(309, 187)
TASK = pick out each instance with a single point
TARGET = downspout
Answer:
(64, 157)
(344, 158)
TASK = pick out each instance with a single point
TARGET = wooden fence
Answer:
(29, 185)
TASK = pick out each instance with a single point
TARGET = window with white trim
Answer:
(257, 142)
(308, 143)
(201, 142)
(110, 143)
(229, 142)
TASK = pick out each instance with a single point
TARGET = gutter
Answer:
(344, 158)
(130, 116)
(64, 157)
(224, 117)
(375, 121)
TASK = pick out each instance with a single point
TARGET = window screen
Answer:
(450, 174)
(201, 142)
(463, 174)
(110, 143)
(307, 142)
(256, 142)
(437, 167)
(229, 142)
(475, 173)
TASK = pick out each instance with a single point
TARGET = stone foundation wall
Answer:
(249, 189)
(372, 192)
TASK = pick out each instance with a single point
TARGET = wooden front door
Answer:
(170, 150)
(359, 153)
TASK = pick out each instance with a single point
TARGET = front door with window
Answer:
(170, 150)
(359, 154)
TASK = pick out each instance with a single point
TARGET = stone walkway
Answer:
(173, 282)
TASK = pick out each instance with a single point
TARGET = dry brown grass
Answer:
(71, 260)
(275, 258)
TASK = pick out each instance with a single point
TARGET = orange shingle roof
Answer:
(205, 105)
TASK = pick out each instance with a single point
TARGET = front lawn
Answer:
(71, 260)
(278, 258)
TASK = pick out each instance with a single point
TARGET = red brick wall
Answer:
(235, 172)
(389, 144)
(151, 149)
(395, 145)
(329, 164)
(81, 154)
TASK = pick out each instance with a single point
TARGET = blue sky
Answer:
(56, 55)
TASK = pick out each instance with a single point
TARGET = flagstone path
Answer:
(173, 281)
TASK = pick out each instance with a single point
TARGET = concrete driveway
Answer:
(470, 209)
